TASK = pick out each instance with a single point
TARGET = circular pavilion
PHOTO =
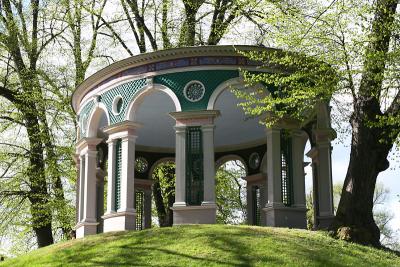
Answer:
(176, 105)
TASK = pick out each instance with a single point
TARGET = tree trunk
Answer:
(38, 195)
(370, 145)
(159, 201)
(354, 219)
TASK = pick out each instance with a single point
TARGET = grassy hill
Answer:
(207, 245)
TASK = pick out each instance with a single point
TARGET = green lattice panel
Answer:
(194, 165)
(118, 174)
(210, 78)
(84, 117)
(127, 91)
(286, 169)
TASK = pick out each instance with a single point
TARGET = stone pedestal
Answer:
(205, 214)
(119, 221)
(86, 228)
(282, 216)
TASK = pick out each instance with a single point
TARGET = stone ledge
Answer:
(118, 214)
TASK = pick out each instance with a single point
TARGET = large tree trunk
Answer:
(370, 144)
(354, 219)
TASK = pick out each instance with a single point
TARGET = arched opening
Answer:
(231, 193)
(238, 134)
(98, 121)
(154, 153)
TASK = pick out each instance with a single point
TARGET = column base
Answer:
(204, 214)
(85, 228)
(119, 221)
(324, 222)
(279, 215)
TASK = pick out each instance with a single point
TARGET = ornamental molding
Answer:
(256, 178)
(87, 143)
(201, 114)
(147, 60)
(125, 126)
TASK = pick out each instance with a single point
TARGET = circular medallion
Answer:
(194, 91)
(254, 160)
(117, 105)
(141, 164)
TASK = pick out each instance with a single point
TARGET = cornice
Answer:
(163, 55)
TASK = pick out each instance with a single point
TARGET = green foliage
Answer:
(207, 245)
(164, 192)
(165, 174)
(297, 84)
(231, 193)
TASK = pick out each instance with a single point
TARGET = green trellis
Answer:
(127, 91)
(84, 116)
(194, 165)
(286, 169)
(118, 173)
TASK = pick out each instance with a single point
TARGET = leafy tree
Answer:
(176, 23)
(29, 107)
(164, 192)
(231, 193)
(358, 41)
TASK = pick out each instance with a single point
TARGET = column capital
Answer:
(208, 127)
(180, 129)
(324, 135)
(87, 144)
(122, 129)
(299, 133)
(272, 130)
(195, 118)
(128, 138)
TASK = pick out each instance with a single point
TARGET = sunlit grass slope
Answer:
(207, 245)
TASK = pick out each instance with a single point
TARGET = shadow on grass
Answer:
(209, 246)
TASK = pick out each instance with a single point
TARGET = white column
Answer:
(128, 174)
(274, 167)
(77, 161)
(87, 225)
(111, 177)
(325, 190)
(81, 187)
(180, 162)
(208, 164)
(322, 178)
(299, 139)
(89, 210)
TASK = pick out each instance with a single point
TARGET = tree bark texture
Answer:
(370, 143)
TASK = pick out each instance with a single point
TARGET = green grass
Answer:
(207, 245)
